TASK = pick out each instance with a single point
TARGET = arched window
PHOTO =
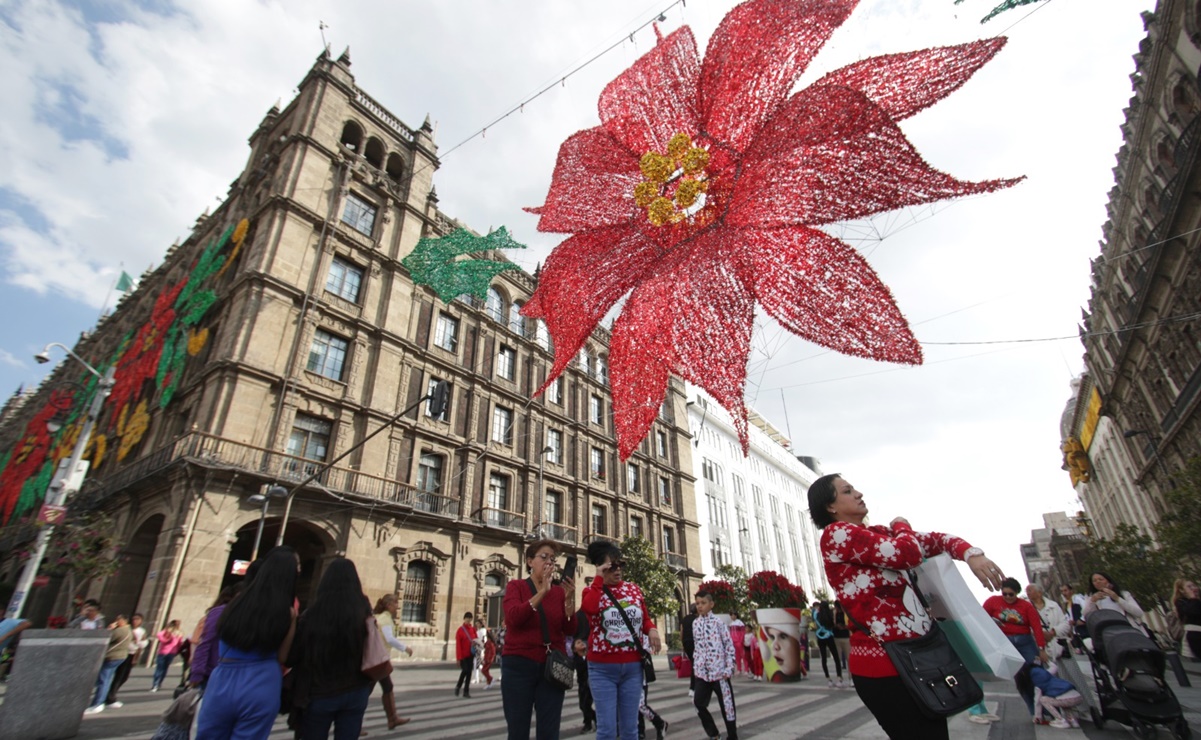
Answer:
(396, 166)
(585, 361)
(418, 591)
(494, 306)
(374, 152)
(543, 337)
(516, 320)
(352, 136)
(602, 368)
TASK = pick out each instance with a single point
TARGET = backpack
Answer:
(1175, 626)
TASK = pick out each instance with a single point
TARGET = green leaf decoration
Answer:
(433, 263)
(1007, 5)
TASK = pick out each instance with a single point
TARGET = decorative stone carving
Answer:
(494, 563)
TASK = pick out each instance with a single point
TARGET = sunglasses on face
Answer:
(617, 565)
(1009, 594)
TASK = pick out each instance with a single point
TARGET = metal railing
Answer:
(500, 518)
(383, 114)
(675, 559)
(559, 532)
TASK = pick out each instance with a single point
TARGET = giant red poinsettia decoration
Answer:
(700, 192)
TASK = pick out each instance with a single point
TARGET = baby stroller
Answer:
(1128, 670)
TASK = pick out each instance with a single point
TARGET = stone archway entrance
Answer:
(311, 544)
(124, 589)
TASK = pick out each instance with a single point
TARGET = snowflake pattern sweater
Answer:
(866, 569)
(609, 640)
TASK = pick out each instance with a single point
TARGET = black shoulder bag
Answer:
(559, 671)
(648, 665)
(930, 668)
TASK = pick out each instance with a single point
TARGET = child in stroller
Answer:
(1128, 668)
(1055, 696)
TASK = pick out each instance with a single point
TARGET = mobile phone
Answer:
(569, 568)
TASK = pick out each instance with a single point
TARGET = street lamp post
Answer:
(273, 491)
(542, 492)
(64, 477)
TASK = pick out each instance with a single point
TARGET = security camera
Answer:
(42, 357)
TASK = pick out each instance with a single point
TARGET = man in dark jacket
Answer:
(689, 644)
(580, 656)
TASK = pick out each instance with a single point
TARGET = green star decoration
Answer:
(1007, 5)
(433, 262)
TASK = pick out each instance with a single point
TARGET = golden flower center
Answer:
(675, 181)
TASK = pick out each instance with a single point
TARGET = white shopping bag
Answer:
(984, 649)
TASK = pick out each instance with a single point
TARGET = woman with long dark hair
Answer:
(614, 654)
(254, 635)
(823, 616)
(866, 566)
(205, 658)
(331, 688)
(1105, 593)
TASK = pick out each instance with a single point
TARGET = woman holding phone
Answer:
(525, 689)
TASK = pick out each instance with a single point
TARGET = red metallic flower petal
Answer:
(691, 317)
(593, 185)
(831, 154)
(754, 59)
(824, 291)
(582, 279)
(656, 97)
(903, 84)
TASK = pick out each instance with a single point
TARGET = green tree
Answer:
(82, 548)
(736, 577)
(1179, 532)
(656, 579)
(1132, 558)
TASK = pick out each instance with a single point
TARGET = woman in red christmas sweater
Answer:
(1021, 623)
(866, 567)
(614, 659)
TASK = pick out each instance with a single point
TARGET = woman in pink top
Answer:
(170, 641)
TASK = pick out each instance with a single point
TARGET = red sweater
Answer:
(866, 569)
(1018, 618)
(524, 629)
(609, 641)
(463, 639)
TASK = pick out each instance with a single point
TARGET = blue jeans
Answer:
(161, 664)
(525, 690)
(344, 711)
(1028, 648)
(617, 691)
(104, 681)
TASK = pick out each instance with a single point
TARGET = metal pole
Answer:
(283, 525)
(57, 493)
(258, 537)
(541, 497)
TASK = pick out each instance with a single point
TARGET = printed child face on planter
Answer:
(783, 653)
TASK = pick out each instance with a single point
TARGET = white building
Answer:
(755, 512)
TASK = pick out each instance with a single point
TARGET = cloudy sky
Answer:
(124, 120)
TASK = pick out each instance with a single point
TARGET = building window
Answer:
(516, 320)
(433, 385)
(542, 336)
(327, 355)
(757, 496)
(664, 491)
(554, 440)
(310, 440)
(498, 492)
(633, 481)
(418, 582)
(596, 463)
(669, 539)
(359, 215)
(502, 425)
(429, 473)
(494, 306)
(636, 529)
(596, 410)
(446, 335)
(554, 507)
(602, 369)
(506, 362)
(585, 361)
(344, 280)
(661, 443)
(598, 520)
(554, 391)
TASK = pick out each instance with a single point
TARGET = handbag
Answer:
(377, 659)
(931, 670)
(977, 639)
(177, 720)
(560, 670)
(648, 664)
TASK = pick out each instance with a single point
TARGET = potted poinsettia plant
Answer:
(778, 606)
(725, 598)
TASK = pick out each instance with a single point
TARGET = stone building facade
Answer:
(1136, 413)
(284, 331)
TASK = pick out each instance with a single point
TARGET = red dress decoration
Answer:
(700, 193)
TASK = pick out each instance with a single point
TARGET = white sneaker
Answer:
(116, 704)
(991, 717)
(691, 693)
(979, 719)
(153, 689)
(94, 710)
(829, 684)
(1060, 724)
